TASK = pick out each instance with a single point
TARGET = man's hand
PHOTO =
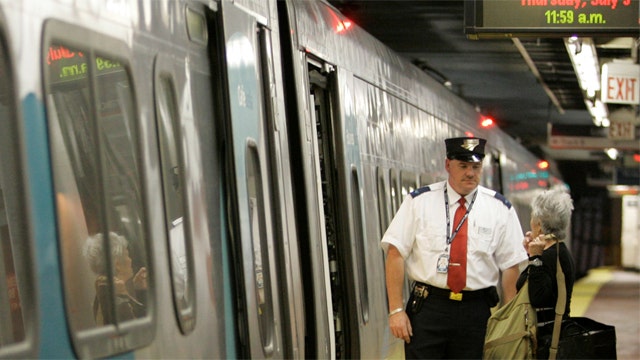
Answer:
(401, 326)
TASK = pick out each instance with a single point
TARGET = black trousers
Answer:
(448, 329)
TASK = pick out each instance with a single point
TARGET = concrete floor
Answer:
(617, 303)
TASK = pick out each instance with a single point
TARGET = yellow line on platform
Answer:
(586, 288)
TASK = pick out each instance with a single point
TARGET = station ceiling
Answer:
(524, 84)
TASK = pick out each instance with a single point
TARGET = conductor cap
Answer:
(469, 149)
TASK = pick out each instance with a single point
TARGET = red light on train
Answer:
(343, 25)
(636, 158)
(543, 164)
(487, 122)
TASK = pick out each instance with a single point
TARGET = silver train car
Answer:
(211, 179)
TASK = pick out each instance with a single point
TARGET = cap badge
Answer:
(470, 144)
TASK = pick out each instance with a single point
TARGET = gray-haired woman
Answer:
(124, 282)
(550, 219)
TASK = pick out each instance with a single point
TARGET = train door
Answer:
(342, 214)
(249, 187)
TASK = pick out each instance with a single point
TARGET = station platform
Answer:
(612, 296)
(608, 295)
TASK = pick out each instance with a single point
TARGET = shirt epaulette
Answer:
(503, 199)
(419, 191)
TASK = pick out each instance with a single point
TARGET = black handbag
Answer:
(574, 337)
(580, 338)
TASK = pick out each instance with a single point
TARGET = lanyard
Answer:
(464, 218)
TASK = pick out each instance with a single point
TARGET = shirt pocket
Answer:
(431, 237)
(482, 234)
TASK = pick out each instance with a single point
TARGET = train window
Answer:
(408, 182)
(259, 237)
(396, 197)
(383, 202)
(16, 292)
(492, 175)
(426, 179)
(97, 180)
(361, 262)
(196, 26)
(384, 211)
(173, 180)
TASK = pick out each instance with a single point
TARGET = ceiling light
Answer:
(599, 112)
(612, 153)
(584, 58)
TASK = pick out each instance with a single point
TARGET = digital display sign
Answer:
(67, 65)
(520, 18)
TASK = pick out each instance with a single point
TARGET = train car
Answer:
(157, 125)
(366, 128)
(211, 179)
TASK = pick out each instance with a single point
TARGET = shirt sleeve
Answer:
(511, 252)
(401, 232)
(542, 281)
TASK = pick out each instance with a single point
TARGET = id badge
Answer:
(443, 263)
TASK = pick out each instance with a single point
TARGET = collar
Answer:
(454, 196)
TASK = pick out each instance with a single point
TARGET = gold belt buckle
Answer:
(455, 296)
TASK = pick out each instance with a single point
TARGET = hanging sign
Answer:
(620, 83)
(519, 18)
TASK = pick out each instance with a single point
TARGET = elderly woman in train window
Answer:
(550, 219)
(124, 282)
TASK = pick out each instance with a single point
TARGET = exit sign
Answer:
(623, 130)
(620, 83)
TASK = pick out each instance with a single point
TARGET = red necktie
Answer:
(457, 273)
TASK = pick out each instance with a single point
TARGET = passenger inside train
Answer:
(124, 282)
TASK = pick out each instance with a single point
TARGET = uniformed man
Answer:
(456, 240)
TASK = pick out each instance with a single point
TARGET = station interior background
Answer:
(529, 85)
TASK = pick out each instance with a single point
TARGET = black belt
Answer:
(465, 295)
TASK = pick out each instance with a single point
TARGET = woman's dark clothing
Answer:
(543, 285)
(543, 291)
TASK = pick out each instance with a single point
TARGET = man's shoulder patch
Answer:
(420, 191)
(503, 200)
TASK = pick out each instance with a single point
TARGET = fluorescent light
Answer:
(598, 111)
(584, 58)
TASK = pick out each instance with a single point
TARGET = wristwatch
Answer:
(535, 261)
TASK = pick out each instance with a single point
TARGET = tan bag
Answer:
(512, 329)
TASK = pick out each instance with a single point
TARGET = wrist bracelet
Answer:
(395, 311)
